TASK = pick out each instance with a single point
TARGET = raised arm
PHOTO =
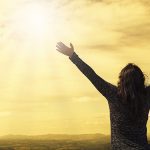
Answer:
(104, 87)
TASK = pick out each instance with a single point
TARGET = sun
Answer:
(36, 19)
(32, 20)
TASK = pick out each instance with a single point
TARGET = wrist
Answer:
(71, 54)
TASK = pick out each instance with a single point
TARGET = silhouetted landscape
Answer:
(55, 142)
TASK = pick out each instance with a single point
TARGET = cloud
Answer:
(136, 35)
(146, 2)
(104, 24)
(113, 26)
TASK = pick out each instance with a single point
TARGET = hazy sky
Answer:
(41, 91)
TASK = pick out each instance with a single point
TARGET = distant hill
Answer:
(79, 137)
(56, 137)
(55, 142)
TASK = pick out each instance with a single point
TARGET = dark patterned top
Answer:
(125, 133)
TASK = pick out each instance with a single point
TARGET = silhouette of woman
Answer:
(129, 102)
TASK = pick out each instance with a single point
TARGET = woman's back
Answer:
(126, 132)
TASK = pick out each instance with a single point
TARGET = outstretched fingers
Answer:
(62, 45)
(58, 47)
(59, 50)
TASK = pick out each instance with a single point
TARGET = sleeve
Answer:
(104, 87)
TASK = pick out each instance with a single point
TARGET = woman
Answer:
(129, 102)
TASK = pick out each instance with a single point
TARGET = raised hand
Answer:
(62, 48)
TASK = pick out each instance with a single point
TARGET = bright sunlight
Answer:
(32, 20)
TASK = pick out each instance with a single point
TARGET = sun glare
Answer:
(36, 19)
(32, 20)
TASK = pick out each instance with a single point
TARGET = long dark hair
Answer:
(131, 89)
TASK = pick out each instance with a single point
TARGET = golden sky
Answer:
(41, 90)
